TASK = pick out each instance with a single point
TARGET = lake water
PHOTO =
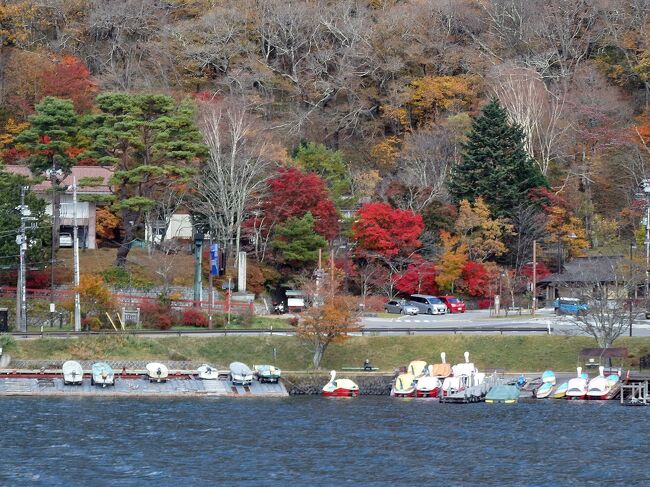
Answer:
(318, 441)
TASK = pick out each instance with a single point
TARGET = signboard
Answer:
(295, 302)
(214, 259)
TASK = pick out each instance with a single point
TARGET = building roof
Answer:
(600, 268)
(604, 352)
(78, 172)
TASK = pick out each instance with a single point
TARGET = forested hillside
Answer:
(459, 131)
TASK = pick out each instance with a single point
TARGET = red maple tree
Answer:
(386, 230)
(294, 193)
(70, 79)
(475, 279)
(419, 278)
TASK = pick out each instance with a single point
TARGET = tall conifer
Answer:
(495, 164)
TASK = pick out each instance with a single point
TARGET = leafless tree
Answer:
(537, 110)
(236, 169)
(424, 164)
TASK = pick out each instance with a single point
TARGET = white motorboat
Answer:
(207, 372)
(602, 387)
(102, 375)
(241, 374)
(73, 373)
(267, 373)
(157, 372)
(577, 387)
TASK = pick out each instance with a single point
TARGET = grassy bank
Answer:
(512, 353)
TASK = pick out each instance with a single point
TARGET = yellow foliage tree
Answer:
(482, 234)
(432, 95)
(566, 230)
(452, 261)
(15, 19)
(11, 129)
(386, 152)
(95, 297)
(330, 323)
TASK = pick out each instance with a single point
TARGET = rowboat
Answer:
(157, 372)
(72, 373)
(340, 387)
(560, 391)
(102, 375)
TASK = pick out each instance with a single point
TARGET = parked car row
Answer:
(426, 304)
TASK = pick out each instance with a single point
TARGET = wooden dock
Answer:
(635, 390)
(471, 394)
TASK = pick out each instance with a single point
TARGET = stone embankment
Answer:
(370, 383)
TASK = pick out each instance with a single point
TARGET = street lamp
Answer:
(198, 254)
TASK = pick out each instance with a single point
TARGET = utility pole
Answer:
(21, 288)
(647, 248)
(75, 244)
(534, 308)
(198, 257)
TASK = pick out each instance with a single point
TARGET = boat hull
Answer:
(340, 392)
(431, 393)
(575, 396)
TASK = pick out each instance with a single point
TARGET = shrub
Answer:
(120, 278)
(92, 323)
(156, 315)
(37, 280)
(194, 317)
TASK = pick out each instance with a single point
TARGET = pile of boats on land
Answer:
(443, 380)
(102, 374)
(580, 387)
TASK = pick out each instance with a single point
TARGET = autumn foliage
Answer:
(386, 230)
(419, 278)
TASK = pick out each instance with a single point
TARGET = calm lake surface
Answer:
(318, 441)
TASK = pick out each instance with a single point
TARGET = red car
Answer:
(454, 304)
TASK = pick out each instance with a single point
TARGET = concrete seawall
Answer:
(370, 383)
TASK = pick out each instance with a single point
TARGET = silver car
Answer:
(430, 305)
(397, 307)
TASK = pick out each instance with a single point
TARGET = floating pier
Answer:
(36, 383)
(471, 394)
(635, 391)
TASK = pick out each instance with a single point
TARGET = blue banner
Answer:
(214, 259)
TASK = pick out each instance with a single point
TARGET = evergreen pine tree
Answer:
(297, 241)
(495, 164)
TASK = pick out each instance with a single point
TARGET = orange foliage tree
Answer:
(432, 95)
(330, 323)
(96, 299)
(452, 261)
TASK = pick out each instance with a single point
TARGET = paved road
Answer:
(561, 325)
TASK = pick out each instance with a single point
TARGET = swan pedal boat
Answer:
(102, 375)
(577, 387)
(157, 372)
(602, 387)
(403, 386)
(340, 387)
(73, 373)
(428, 385)
(207, 372)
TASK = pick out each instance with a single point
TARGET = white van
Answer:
(428, 304)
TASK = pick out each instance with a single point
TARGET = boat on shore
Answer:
(267, 373)
(602, 387)
(577, 387)
(560, 391)
(207, 372)
(404, 386)
(157, 372)
(73, 373)
(102, 375)
(340, 387)
(240, 374)
(547, 386)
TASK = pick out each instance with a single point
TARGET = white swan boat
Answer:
(577, 387)
(404, 386)
(157, 372)
(73, 373)
(340, 387)
(428, 385)
(602, 387)
(207, 372)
